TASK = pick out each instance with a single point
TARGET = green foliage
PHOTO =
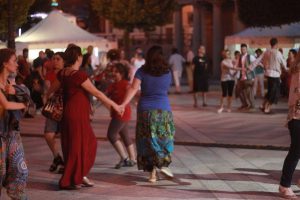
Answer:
(260, 13)
(40, 6)
(20, 10)
(130, 14)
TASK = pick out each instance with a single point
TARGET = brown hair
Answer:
(224, 53)
(5, 55)
(123, 70)
(155, 64)
(113, 54)
(71, 55)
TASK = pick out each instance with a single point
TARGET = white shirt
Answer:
(176, 61)
(272, 61)
(226, 68)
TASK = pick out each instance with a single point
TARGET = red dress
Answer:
(78, 141)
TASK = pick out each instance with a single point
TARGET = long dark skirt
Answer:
(273, 90)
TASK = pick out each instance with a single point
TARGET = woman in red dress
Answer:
(78, 140)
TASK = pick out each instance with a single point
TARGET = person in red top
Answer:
(119, 124)
(52, 127)
(24, 65)
(48, 65)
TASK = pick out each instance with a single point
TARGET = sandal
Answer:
(86, 182)
(56, 164)
(286, 193)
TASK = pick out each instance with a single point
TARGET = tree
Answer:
(40, 6)
(130, 14)
(19, 14)
(262, 13)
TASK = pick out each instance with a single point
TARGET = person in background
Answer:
(273, 62)
(235, 61)
(137, 61)
(38, 66)
(52, 127)
(176, 62)
(119, 124)
(227, 80)
(24, 65)
(293, 123)
(123, 58)
(105, 78)
(48, 65)
(201, 74)
(155, 126)
(37, 92)
(259, 76)
(14, 171)
(86, 65)
(36, 81)
(189, 68)
(246, 80)
(94, 59)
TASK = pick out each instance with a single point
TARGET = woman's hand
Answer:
(120, 109)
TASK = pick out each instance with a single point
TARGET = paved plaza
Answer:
(235, 155)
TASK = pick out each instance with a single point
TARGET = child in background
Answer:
(119, 124)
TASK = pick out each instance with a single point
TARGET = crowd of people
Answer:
(147, 80)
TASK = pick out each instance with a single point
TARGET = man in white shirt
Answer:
(176, 62)
(246, 80)
(273, 63)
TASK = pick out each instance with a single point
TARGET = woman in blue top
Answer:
(155, 127)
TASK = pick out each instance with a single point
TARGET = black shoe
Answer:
(130, 163)
(57, 163)
(122, 163)
(125, 163)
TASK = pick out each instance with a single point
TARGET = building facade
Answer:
(195, 23)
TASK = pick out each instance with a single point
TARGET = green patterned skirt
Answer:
(155, 131)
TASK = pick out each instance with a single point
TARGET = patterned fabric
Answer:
(154, 139)
(13, 168)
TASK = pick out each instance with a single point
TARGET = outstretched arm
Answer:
(132, 90)
(88, 86)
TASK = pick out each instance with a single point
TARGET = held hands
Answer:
(120, 109)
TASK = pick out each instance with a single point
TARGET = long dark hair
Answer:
(85, 60)
(5, 55)
(155, 64)
(71, 55)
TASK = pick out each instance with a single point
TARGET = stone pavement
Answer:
(202, 169)
(200, 173)
(204, 126)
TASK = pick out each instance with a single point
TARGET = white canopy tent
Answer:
(288, 36)
(56, 32)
